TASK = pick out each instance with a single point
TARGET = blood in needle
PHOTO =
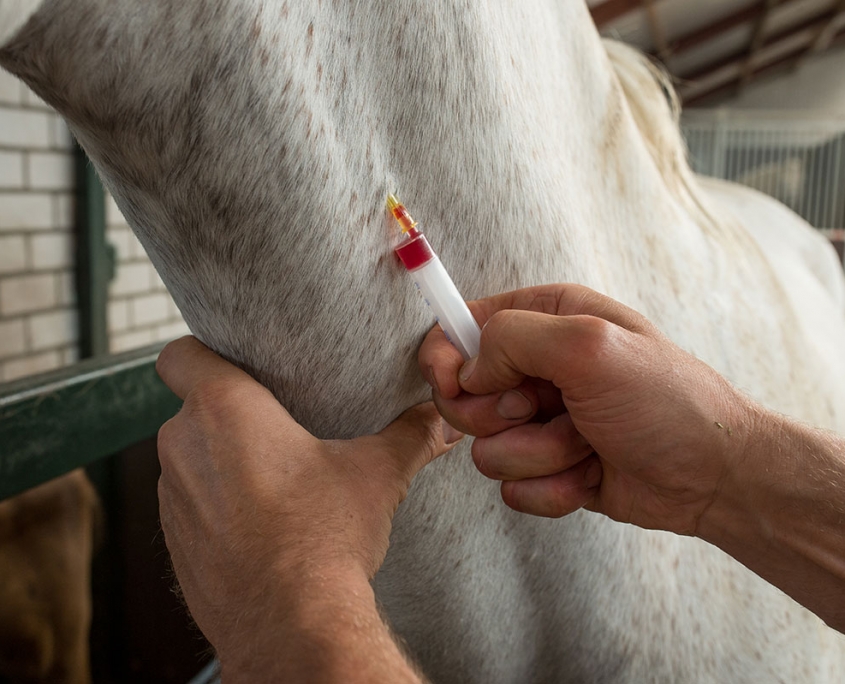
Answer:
(434, 283)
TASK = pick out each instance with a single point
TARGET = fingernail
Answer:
(468, 368)
(592, 476)
(450, 434)
(514, 405)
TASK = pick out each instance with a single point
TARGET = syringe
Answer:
(434, 283)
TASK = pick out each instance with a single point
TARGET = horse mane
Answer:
(656, 110)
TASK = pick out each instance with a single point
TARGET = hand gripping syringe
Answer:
(434, 283)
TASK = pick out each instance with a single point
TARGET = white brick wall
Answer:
(150, 309)
(24, 293)
(140, 309)
(38, 321)
(133, 277)
(51, 171)
(31, 364)
(10, 89)
(52, 250)
(12, 254)
(39, 324)
(11, 170)
(54, 329)
(12, 337)
(131, 340)
(26, 211)
(27, 129)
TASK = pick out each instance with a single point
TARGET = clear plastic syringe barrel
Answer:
(434, 283)
(448, 306)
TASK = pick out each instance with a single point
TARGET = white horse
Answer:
(251, 144)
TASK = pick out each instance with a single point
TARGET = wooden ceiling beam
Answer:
(824, 35)
(824, 27)
(781, 64)
(656, 28)
(610, 10)
(709, 32)
(737, 58)
(756, 43)
(730, 85)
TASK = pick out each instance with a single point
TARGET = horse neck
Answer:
(252, 156)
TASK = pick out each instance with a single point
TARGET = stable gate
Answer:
(103, 414)
(797, 158)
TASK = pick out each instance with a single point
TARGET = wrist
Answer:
(296, 625)
(746, 459)
(779, 513)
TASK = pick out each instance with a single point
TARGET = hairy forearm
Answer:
(781, 512)
(326, 629)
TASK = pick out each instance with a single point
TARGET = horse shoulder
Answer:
(789, 242)
(811, 283)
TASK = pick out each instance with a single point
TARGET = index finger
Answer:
(440, 362)
(561, 299)
(185, 362)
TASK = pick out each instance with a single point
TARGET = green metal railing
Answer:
(100, 414)
(95, 260)
(53, 423)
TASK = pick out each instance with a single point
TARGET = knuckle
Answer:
(498, 338)
(597, 336)
(426, 423)
(216, 398)
(173, 440)
(556, 509)
(163, 493)
(565, 444)
(548, 299)
(558, 459)
(499, 323)
(449, 410)
(166, 438)
(399, 449)
(483, 463)
(431, 438)
(163, 360)
(542, 501)
(562, 498)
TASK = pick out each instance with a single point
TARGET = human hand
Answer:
(257, 512)
(578, 401)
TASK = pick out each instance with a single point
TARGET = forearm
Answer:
(325, 630)
(781, 512)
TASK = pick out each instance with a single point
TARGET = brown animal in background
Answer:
(46, 544)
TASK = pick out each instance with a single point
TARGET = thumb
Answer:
(185, 363)
(415, 439)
